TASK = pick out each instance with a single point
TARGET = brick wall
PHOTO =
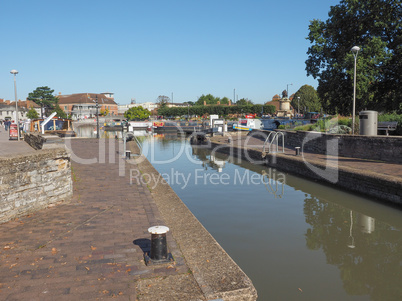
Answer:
(32, 182)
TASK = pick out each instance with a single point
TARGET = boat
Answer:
(115, 125)
(139, 125)
(248, 124)
(179, 126)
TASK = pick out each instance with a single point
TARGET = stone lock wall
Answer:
(384, 148)
(32, 182)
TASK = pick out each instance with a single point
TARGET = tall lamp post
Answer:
(355, 50)
(298, 106)
(287, 89)
(97, 116)
(15, 72)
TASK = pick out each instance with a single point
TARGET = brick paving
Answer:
(14, 146)
(90, 248)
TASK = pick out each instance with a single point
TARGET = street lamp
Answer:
(355, 50)
(287, 89)
(15, 72)
(298, 106)
(97, 116)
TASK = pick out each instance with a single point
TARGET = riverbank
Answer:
(376, 179)
(93, 246)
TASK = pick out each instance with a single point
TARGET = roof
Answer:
(85, 98)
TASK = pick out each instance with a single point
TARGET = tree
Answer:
(208, 99)
(137, 113)
(308, 99)
(104, 112)
(162, 101)
(32, 114)
(59, 111)
(43, 96)
(373, 25)
(244, 102)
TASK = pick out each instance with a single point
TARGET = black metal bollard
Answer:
(158, 242)
(297, 150)
(128, 154)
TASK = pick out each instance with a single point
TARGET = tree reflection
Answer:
(370, 261)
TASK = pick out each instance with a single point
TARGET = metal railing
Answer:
(136, 141)
(275, 138)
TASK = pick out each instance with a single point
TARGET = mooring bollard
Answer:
(128, 154)
(159, 252)
(297, 150)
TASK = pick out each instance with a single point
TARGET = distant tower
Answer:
(133, 101)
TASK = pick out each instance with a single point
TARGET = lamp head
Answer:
(355, 49)
(14, 71)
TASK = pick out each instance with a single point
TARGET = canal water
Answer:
(296, 239)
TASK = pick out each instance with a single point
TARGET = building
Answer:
(150, 106)
(7, 110)
(83, 105)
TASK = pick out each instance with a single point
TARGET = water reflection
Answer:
(288, 233)
(367, 253)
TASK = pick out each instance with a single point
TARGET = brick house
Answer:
(82, 105)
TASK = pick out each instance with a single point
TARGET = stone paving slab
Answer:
(91, 248)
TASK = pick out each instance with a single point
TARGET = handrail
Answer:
(136, 140)
(139, 144)
(274, 138)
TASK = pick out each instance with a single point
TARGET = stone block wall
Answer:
(34, 140)
(32, 182)
(384, 148)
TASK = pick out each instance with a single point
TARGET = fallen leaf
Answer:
(54, 250)
(87, 268)
(93, 248)
(105, 292)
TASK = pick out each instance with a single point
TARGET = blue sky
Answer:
(143, 49)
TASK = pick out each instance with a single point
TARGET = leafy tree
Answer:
(32, 114)
(104, 112)
(373, 25)
(208, 99)
(137, 113)
(43, 96)
(308, 99)
(244, 102)
(224, 101)
(59, 111)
